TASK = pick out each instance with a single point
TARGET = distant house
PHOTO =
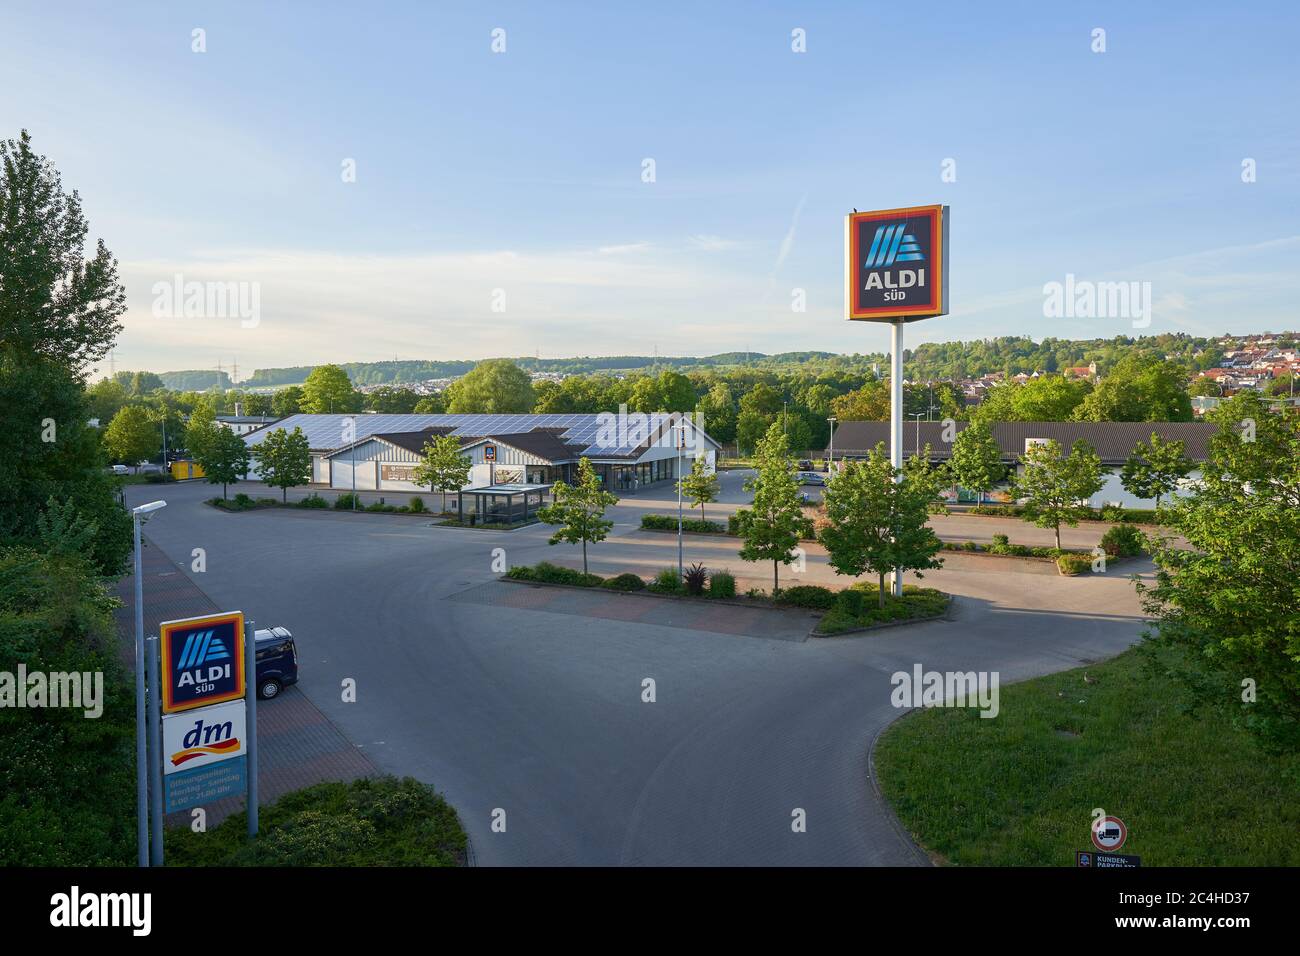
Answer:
(1113, 442)
(1082, 371)
(243, 424)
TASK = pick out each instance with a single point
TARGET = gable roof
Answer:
(543, 443)
(1113, 441)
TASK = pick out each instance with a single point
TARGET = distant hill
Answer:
(195, 380)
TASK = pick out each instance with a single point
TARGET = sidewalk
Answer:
(298, 745)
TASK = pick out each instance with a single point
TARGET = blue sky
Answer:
(522, 171)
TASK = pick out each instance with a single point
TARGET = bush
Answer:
(1072, 564)
(624, 582)
(849, 602)
(158, 477)
(380, 506)
(547, 573)
(669, 523)
(1122, 541)
(806, 595)
(313, 500)
(722, 584)
(243, 501)
(347, 502)
(695, 578)
(417, 505)
(666, 581)
(1001, 539)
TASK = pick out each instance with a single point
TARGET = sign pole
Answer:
(156, 758)
(141, 756)
(250, 703)
(896, 422)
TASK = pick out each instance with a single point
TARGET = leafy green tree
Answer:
(750, 429)
(718, 408)
(1226, 594)
(1139, 388)
(976, 461)
(444, 467)
(700, 487)
(1154, 470)
(283, 459)
(59, 310)
(795, 427)
(669, 391)
(201, 430)
(224, 458)
(870, 403)
(494, 387)
(579, 510)
(926, 478)
(772, 527)
(1048, 398)
(1058, 489)
(387, 399)
(132, 436)
(106, 396)
(877, 523)
(328, 389)
(287, 401)
(430, 405)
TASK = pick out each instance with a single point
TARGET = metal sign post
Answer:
(141, 757)
(155, 757)
(250, 702)
(896, 271)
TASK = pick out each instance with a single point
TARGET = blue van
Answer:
(277, 661)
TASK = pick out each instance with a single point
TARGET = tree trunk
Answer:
(284, 495)
(882, 590)
(1058, 536)
(223, 491)
(584, 555)
(776, 568)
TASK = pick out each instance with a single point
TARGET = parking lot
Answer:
(536, 709)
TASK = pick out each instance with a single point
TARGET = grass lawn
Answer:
(1019, 789)
(369, 822)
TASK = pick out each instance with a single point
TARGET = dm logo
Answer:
(202, 661)
(893, 243)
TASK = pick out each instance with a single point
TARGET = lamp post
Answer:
(830, 465)
(141, 768)
(917, 416)
(681, 443)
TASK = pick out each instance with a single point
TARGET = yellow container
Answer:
(184, 470)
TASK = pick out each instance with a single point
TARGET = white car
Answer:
(118, 469)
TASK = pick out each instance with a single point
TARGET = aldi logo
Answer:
(202, 661)
(896, 263)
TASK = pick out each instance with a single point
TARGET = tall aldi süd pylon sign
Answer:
(896, 264)
(896, 271)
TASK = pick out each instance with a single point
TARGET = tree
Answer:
(976, 461)
(1139, 388)
(392, 400)
(286, 401)
(1154, 470)
(1057, 488)
(718, 411)
(328, 389)
(877, 522)
(201, 430)
(1226, 595)
(579, 510)
(870, 403)
(773, 526)
(224, 458)
(701, 486)
(132, 435)
(443, 468)
(430, 405)
(58, 313)
(283, 459)
(494, 387)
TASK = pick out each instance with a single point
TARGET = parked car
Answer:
(805, 465)
(811, 478)
(119, 469)
(277, 661)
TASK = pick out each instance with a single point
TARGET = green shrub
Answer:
(1001, 539)
(624, 582)
(849, 602)
(243, 501)
(380, 506)
(806, 595)
(347, 502)
(970, 546)
(722, 584)
(667, 581)
(417, 505)
(1072, 564)
(669, 523)
(734, 522)
(554, 574)
(521, 573)
(313, 500)
(1122, 541)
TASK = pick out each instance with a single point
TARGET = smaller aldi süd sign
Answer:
(896, 263)
(489, 452)
(202, 661)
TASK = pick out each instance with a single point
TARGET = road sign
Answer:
(1109, 833)
(1104, 861)
(896, 264)
(202, 661)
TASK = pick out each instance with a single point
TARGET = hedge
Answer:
(669, 523)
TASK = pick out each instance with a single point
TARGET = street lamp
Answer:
(830, 465)
(141, 772)
(917, 416)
